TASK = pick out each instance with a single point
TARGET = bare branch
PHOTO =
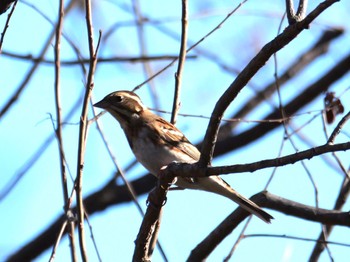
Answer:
(181, 64)
(319, 48)
(194, 170)
(248, 72)
(338, 128)
(299, 15)
(191, 47)
(83, 129)
(31, 71)
(298, 238)
(130, 59)
(274, 202)
(147, 233)
(58, 131)
(309, 94)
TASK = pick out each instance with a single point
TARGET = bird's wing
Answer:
(174, 137)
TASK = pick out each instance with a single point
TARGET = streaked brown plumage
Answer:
(156, 143)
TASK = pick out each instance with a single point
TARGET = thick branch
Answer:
(109, 195)
(194, 170)
(301, 62)
(265, 199)
(248, 72)
(315, 89)
(147, 233)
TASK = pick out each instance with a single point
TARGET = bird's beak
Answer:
(102, 104)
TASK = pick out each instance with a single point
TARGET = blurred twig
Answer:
(142, 42)
(298, 238)
(192, 46)
(33, 68)
(340, 201)
(120, 172)
(110, 194)
(266, 199)
(305, 97)
(131, 59)
(305, 59)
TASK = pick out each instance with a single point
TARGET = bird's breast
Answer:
(154, 156)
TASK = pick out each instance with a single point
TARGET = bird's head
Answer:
(123, 105)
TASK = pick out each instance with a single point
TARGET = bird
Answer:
(156, 143)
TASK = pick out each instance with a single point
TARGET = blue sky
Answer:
(189, 215)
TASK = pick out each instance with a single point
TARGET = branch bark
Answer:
(248, 72)
(265, 199)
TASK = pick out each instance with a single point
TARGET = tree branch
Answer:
(265, 199)
(247, 73)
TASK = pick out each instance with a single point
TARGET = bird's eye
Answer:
(118, 99)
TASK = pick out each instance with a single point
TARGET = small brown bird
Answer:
(156, 143)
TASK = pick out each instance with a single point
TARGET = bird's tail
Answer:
(217, 185)
(250, 206)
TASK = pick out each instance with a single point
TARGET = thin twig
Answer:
(285, 123)
(342, 196)
(41, 149)
(53, 252)
(302, 9)
(32, 70)
(319, 48)
(192, 46)
(120, 171)
(181, 63)
(338, 128)
(93, 238)
(239, 239)
(83, 129)
(298, 238)
(35, 156)
(289, 159)
(147, 69)
(58, 129)
(130, 59)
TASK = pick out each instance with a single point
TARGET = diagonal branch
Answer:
(309, 94)
(32, 70)
(248, 72)
(319, 48)
(194, 170)
(110, 194)
(266, 199)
